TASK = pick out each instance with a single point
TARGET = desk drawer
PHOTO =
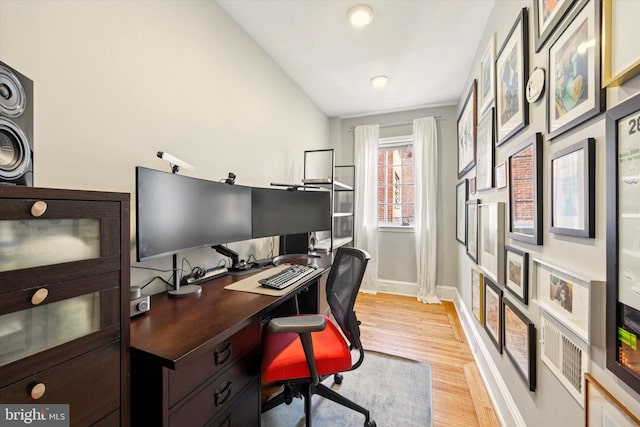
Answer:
(90, 384)
(217, 396)
(244, 412)
(203, 366)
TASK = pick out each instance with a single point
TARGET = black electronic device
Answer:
(280, 212)
(175, 213)
(16, 127)
(203, 275)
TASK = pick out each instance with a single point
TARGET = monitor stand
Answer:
(185, 290)
(182, 291)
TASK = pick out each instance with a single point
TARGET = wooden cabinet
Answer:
(64, 315)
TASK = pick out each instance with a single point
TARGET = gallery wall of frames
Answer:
(548, 171)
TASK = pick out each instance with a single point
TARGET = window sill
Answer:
(396, 228)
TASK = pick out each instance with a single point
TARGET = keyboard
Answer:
(287, 277)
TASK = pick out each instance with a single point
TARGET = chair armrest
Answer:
(298, 324)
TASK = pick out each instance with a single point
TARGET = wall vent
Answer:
(565, 355)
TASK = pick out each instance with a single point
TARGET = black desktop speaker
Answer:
(16, 127)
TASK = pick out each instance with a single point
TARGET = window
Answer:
(395, 182)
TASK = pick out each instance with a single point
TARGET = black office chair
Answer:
(301, 351)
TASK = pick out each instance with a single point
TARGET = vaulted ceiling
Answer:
(425, 47)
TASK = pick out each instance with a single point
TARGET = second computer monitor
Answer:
(280, 212)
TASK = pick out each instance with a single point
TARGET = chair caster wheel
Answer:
(370, 423)
(337, 378)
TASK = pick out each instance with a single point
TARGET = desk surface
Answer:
(176, 327)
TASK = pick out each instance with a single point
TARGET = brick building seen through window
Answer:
(522, 203)
(396, 183)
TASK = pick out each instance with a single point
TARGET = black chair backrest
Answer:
(343, 283)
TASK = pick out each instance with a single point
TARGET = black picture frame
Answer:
(466, 125)
(512, 74)
(520, 342)
(462, 195)
(516, 273)
(492, 305)
(579, 206)
(542, 30)
(621, 123)
(472, 229)
(574, 77)
(485, 152)
(525, 191)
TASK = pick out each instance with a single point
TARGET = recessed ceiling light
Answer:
(379, 81)
(360, 15)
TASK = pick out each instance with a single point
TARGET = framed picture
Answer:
(488, 75)
(491, 240)
(485, 152)
(517, 273)
(547, 16)
(573, 207)
(472, 229)
(493, 312)
(512, 73)
(525, 192)
(520, 342)
(623, 235)
(602, 409)
(477, 301)
(566, 295)
(621, 59)
(575, 92)
(462, 195)
(467, 122)
(501, 175)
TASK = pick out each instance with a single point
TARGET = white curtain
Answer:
(366, 200)
(425, 150)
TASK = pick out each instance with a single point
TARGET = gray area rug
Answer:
(396, 391)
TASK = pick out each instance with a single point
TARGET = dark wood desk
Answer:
(196, 360)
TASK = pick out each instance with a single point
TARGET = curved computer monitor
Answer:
(175, 213)
(282, 212)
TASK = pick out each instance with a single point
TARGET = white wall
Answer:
(397, 263)
(116, 81)
(550, 404)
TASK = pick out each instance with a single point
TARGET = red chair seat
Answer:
(284, 358)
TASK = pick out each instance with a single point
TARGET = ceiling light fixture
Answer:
(360, 15)
(379, 81)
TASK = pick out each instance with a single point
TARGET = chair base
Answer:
(305, 391)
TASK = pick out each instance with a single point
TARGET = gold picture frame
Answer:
(619, 15)
(601, 406)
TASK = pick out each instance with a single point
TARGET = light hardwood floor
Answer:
(429, 333)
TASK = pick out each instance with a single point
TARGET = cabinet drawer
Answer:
(75, 310)
(244, 412)
(90, 384)
(216, 397)
(205, 365)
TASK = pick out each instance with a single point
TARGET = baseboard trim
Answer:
(397, 287)
(483, 360)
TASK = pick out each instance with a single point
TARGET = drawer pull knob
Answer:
(38, 391)
(222, 393)
(40, 295)
(38, 208)
(223, 352)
